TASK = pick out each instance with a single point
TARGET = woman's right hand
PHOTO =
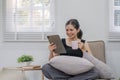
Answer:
(52, 47)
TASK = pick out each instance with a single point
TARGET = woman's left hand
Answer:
(80, 45)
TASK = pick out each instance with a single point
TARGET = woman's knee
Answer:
(45, 67)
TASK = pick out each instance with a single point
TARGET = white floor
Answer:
(11, 75)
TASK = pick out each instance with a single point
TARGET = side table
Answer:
(26, 68)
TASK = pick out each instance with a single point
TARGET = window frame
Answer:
(114, 31)
(26, 36)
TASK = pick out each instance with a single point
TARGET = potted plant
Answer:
(25, 58)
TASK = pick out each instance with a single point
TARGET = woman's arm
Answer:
(52, 54)
(87, 48)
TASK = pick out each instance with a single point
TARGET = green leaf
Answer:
(25, 58)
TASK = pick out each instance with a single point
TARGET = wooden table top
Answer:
(25, 68)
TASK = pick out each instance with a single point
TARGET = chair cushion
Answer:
(71, 65)
(104, 70)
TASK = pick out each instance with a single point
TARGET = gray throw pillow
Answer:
(103, 69)
(71, 65)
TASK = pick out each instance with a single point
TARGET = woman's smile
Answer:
(71, 31)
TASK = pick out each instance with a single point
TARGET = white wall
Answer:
(93, 17)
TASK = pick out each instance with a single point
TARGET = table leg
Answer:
(42, 76)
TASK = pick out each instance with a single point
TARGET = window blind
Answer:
(114, 30)
(28, 20)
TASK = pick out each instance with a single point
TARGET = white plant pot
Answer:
(25, 64)
(28, 63)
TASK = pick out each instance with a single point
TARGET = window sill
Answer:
(114, 40)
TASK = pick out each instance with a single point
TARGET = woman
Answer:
(74, 33)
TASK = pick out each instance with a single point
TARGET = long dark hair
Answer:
(76, 25)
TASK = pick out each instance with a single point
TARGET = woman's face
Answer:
(71, 31)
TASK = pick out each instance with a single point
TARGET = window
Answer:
(28, 20)
(114, 32)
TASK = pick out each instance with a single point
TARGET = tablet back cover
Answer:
(56, 40)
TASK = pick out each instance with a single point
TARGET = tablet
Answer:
(56, 40)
